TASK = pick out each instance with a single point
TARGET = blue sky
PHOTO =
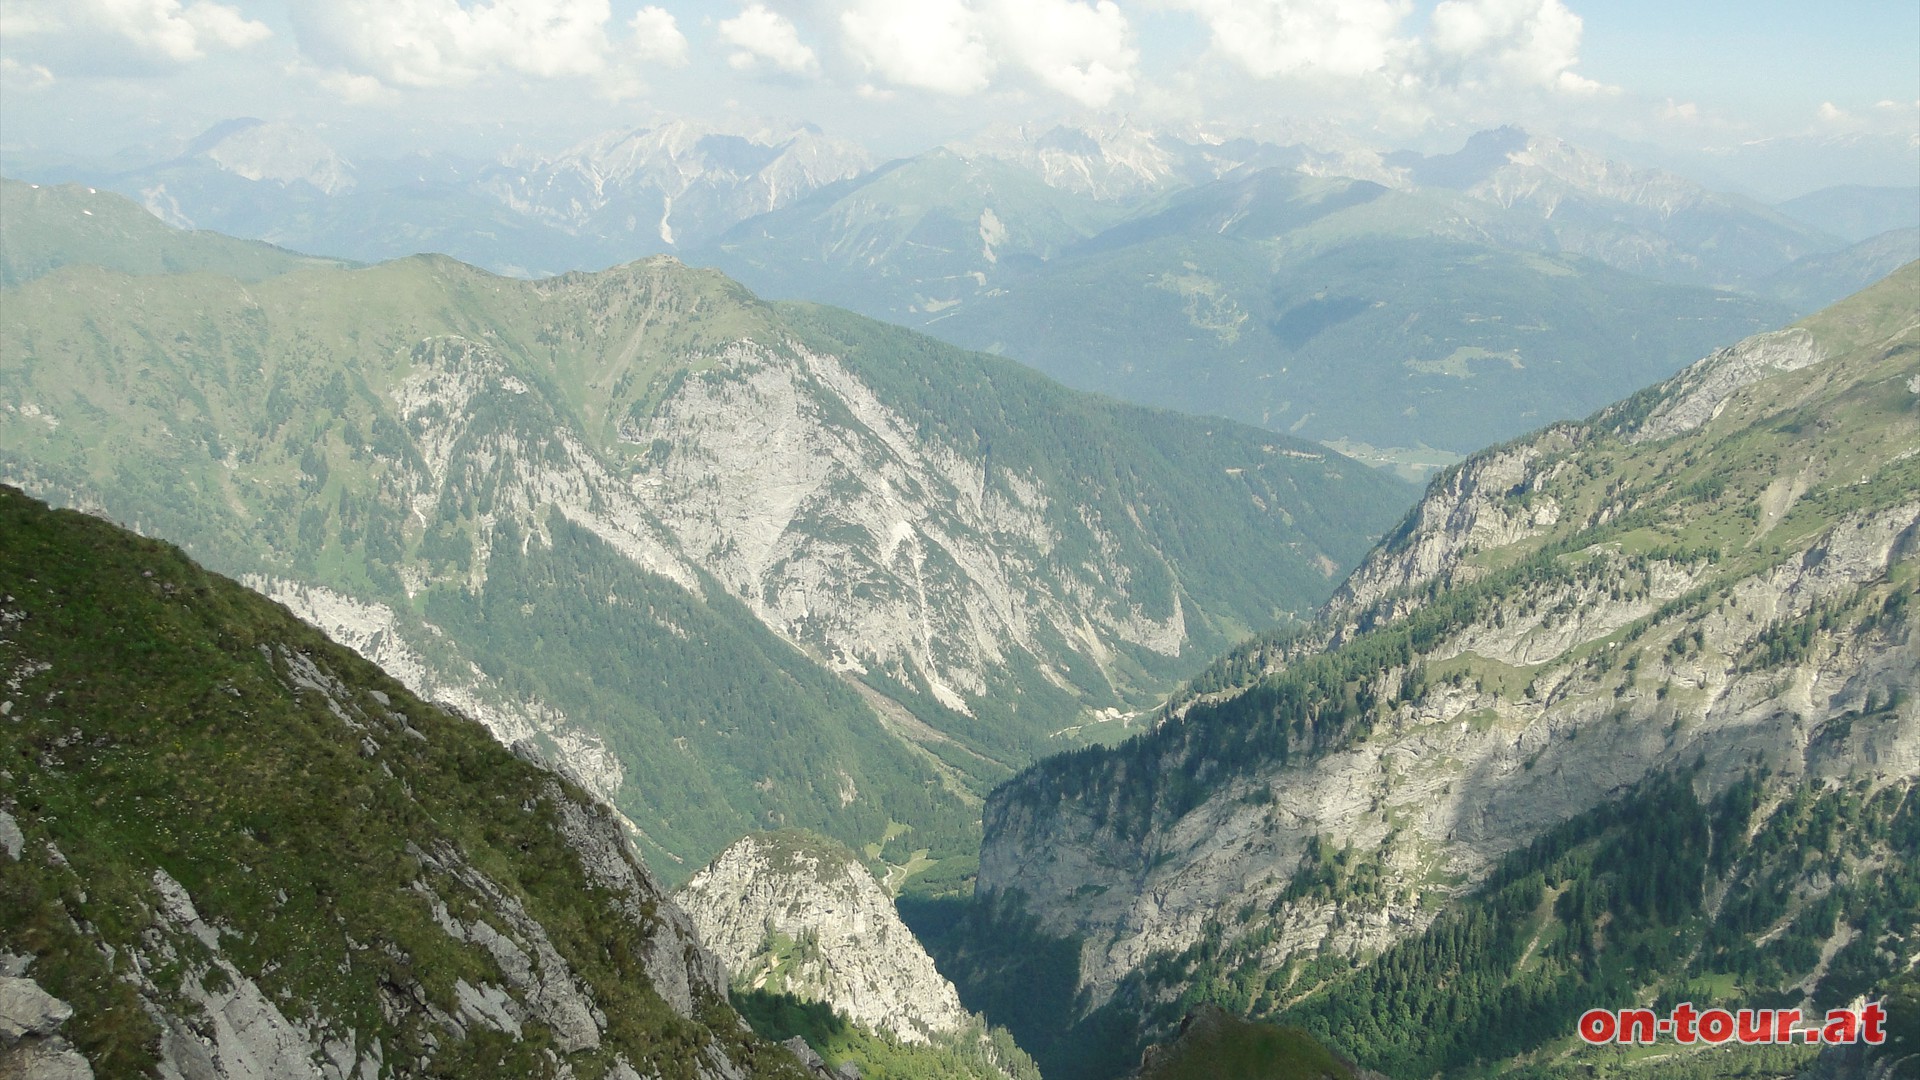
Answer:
(1671, 82)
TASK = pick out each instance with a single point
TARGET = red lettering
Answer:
(1755, 1025)
(1597, 1026)
(1683, 1018)
(1716, 1026)
(1637, 1026)
(1872, 1021)
(1783, 1022)
(1842, 1027)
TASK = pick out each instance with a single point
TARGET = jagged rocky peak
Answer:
(1509, 164)
(795, 913)
(1715, 579)
(1116, 159)
(682, 181)
(278, 152)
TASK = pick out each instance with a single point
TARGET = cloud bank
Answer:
(423, 44)
(150, 33)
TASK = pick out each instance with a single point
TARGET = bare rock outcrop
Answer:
(797, 914)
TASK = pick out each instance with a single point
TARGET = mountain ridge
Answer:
(801, 516)
(1704, 589)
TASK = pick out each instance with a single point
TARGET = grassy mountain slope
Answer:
(298, 470)
(45, 226)
(640, 509)
(243, 850)
(1623, 712)
(973, 1054)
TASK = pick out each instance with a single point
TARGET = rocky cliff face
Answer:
(1112, 160)
(1716, 575)
(230, 848)
(674, 185)
(798, 914)
(30, 1020)
(1643, 220)
(797, 514)
(1506, 496)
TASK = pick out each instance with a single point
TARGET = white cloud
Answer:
(657, 37)
(1376, 56)
(1268, 38)
(21, 76)
(931, 45)
(1530, 42)
(1684, 112)
(437, 43)
(162, 30)
(761, 34)
(351, 88)
(1081, 50)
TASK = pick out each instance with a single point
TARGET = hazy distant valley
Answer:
(723, 654)
(1260, 274)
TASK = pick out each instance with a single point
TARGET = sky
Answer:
(1765, 96)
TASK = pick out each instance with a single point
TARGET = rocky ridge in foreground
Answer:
(233, 848)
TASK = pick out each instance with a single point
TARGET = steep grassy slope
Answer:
(1624, 711)
(850, 577)
(45, 226)
(238, 849)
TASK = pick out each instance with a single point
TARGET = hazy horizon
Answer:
(1771, 100)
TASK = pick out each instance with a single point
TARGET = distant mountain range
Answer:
(1404, 308)
(1223, 271)
(608, 200)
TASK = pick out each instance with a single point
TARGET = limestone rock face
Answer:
(1610, 622)
(679, 183)
(797, 914)
(30, 1042)
(1448, 785)
(798, 516)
